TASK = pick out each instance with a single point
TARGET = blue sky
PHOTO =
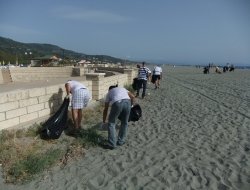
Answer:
(171, 31)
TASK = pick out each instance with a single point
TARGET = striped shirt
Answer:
(143, 73)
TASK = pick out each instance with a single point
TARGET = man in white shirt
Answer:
(80, 99)
(157, 75)
(120, 100)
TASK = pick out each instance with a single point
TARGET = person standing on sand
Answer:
(120, 100)
(143, 74)
(157, 76)
(80, 98)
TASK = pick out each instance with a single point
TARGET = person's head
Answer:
(68, 82)
(138, 66)
(143, 63)
(113, 86)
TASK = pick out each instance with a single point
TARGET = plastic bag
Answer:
(135, 113)
(54, 126)
(135, 85)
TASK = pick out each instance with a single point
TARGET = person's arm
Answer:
(67, 87)
(105, 112)
(132, 97)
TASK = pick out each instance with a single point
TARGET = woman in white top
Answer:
(120, 100)
(80, 99)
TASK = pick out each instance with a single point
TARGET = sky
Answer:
(166, 31)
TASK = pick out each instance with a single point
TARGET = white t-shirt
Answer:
(157, 70)
(116, 94)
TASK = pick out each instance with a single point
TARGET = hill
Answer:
(11, 50)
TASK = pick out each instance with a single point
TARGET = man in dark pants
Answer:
(143, 74)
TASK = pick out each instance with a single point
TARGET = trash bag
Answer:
(54, 126)
(135, 113)
(153, 79)
(135, 84)
(206, 70)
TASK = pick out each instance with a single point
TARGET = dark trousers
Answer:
(141, 84)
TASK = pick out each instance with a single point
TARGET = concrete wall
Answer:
(20, 106)
(26, 74)
(5, 76)
(100, 83)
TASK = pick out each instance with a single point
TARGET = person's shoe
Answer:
(120, 144)
(106, 146)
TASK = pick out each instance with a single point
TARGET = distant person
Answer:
(206, 70)
(79, 100)
(120, 100)
(217, 70)
(143, 74)
(231, 68)
(157, 76)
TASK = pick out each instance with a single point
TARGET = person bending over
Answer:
(80, 98)
(120, 100)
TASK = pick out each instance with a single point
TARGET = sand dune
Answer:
(194, 134)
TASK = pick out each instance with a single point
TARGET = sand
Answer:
(194, 134)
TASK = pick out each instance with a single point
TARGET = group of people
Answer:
(145, 75)
(218, 70)
(118, 98)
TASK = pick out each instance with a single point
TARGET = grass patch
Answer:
(88, 137)
(23, 154)
(26, 168)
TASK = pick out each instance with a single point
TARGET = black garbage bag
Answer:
(154, 78)
(135, 84)
(206, 70)
(135, 113)
(54, 126)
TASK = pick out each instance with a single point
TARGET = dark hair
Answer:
(113, 86)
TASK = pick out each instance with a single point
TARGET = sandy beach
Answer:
(194, 134)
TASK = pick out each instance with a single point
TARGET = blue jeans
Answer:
(120, 108)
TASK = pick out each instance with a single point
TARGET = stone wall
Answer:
(5, 76)
(100, 83)
(21, 106)
(26, 74)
